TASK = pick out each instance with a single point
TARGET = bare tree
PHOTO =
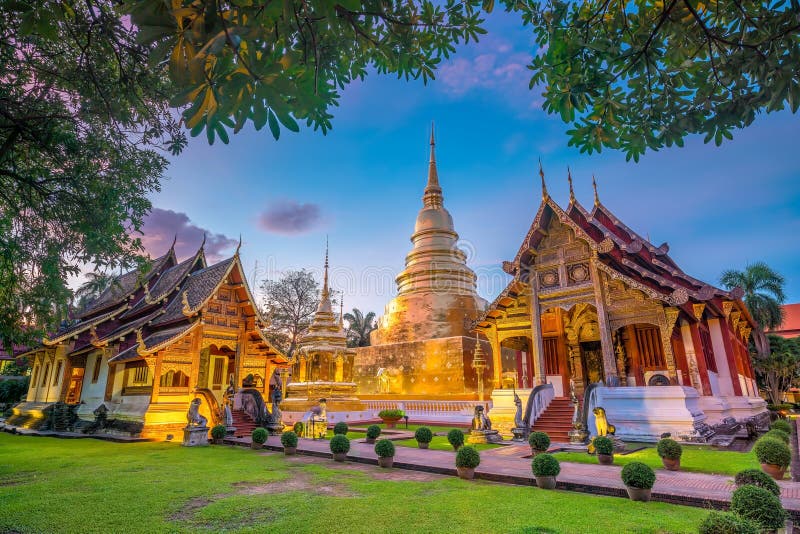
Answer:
(289, 304)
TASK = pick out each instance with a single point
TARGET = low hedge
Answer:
(772, 451)
(219, 432)
(340, 428)
(539, 441)
(670, 449)
(638, 475)
(423, 435)
(603, 445)
(780, 435)
(340, 444)
(384, 448)
(781, 424)
(759, 478)
(391, 414)
(455, 438)
(727, 523)
(779, 407)
(759, 505)
(467, 457)
(545, 465)
(289, 439)
(373, 431)
(259, 435)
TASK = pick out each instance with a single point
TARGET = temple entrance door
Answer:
(592, 361)
(75, 385)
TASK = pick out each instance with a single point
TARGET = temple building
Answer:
(593, 302)
(322, 367)
(423, 346)
(152, 343)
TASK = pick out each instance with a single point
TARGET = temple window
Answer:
(708, 350)
(57, 375)
(96, 370)
(219, 371)
(33, 376)
(648, 341)
(174, 379)
(140, 375)
(44, 376)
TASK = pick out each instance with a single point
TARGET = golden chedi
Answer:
(422, 344)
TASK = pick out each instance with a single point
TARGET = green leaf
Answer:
(273, 125)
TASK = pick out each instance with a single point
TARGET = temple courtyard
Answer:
(100, 486)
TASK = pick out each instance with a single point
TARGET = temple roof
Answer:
(153, 342)
(82, 325)
(199, 287)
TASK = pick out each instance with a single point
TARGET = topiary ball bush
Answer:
(468, 457)
(638, 475)
(727, 523)
(772, 451)
(670, 449)
(384, 448)
(545, 465)
(782, 425)
(340, 428)
(391, 414)
(289, 439)
(759, 478)
(603, 445)
(218, 432)
(423, 435)
(340, 444)
(539, 441)
(259, 435)
(373, 431)
(298, 428)
(759, 505)
(780, 435)
(456, 438)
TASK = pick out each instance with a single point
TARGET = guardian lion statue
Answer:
(480, 421)
(601, 422)
(193, 416)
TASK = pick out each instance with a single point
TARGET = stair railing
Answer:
(213, 405)
(589, 404)
(538, 401)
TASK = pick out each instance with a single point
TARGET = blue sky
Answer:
(717, 207)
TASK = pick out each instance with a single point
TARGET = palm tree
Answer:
(94, 286)
(358, 327)
(763, 296)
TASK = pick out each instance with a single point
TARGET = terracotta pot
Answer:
(370, 440)
(467, 473)
(391, 423)
(546, 482)
(340, 456)
(638, 494)
(256, 446)
(385, 462)
(290, 451)
(422, 445)
(671, 465)
(218, 441)
(775, 471)
(605, 459)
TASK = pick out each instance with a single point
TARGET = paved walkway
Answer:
(509, 465)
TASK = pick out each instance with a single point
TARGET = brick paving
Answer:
(509, 465)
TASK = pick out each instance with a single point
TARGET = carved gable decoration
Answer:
(627, 305)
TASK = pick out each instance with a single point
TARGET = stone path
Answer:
(509, 465)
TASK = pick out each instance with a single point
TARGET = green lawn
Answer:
(697, 458)
(52, 485)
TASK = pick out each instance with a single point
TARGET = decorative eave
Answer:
(82, 327)
(126, 329)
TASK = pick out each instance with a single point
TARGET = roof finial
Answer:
(325, 291)
(203, 244)
(239, 246)
(174, 240)
(433, 191)
(341, 310)
(544, 186)
(571, 190)
(596, 196)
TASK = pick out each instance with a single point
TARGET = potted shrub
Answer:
(467, 459)
(259, 437)
(781, 424)
(670, 452)
(373, 431)
(424, 436)
(298, 428)
(218, 434)
(340, 446)
(289, 442)
(545, 469)
(539, 442)
(774, 456)
(340, 428)
(638, 479)
(391, 417)
(727, 523)
(455, 438)
(780, 435)
(604, 447)
(760, 506)
(757, 478)
(385, 451)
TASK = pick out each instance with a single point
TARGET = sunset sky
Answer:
(717, 207)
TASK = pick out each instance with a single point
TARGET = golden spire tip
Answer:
(571, 190)
(541, 173)
(596, 196)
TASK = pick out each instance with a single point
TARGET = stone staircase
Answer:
(243, 423)
(556, 421)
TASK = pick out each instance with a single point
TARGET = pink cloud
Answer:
(162, 226)
(290, 218)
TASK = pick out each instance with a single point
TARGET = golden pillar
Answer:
(537, 346)
(479, 364)
(497, 354)
(606, 344)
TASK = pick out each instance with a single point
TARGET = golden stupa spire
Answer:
(433, 191)
(544, 185)
(596, 196)
(571, 190)
(325, 291)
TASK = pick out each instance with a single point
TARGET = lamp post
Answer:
(479, 364)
